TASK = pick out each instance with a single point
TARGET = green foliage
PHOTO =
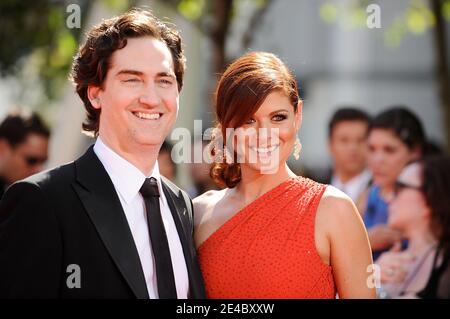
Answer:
(416, 20)
(36, 33)
(446, 10)
(329, 12)
(348, 16)
(117, 5)
(191, 9)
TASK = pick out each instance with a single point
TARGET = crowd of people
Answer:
(399, 181)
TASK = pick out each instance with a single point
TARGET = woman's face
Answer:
(388, 155)
(408, 208)
(265, 141)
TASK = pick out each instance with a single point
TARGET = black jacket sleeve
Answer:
(30, 244)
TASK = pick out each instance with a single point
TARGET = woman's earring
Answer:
(96, 102)
(297, 148)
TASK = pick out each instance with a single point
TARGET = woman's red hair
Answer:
(241, 90)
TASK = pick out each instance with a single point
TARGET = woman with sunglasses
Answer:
(421, 211)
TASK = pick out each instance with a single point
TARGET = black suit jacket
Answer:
(2, 187)
(72, 215)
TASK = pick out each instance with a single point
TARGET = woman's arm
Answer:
(350, 253)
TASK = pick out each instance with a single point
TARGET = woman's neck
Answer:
(253, 184)
(420, 239)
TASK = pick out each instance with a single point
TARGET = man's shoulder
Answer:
(33, 194)
(60, 175)
(53, 177)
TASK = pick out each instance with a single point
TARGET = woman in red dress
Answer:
(270, 233)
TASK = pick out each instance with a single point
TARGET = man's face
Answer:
(348, 146)
(24, 159)
(139, 98)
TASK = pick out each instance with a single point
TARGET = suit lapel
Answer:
(97, 193)
(178, 210)
(182, 221)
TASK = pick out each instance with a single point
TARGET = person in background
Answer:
(396, 137)
(167, 166)
(23, 147)
(421, 211)
(347, 143)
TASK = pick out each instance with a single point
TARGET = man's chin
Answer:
(149, 141)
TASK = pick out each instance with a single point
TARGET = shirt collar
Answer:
(126, 177)
(361, 178)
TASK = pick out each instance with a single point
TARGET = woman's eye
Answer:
(279, 117)
(250, 121)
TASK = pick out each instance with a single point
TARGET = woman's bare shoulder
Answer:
(208, 198)
(334, 199)
(336, 207)
(205, 202)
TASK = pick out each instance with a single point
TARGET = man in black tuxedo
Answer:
(108, 225)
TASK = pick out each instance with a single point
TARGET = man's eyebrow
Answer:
(130, 72)
(164, 74)
(139, 73)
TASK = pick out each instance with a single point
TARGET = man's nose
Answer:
(150, 96)
(377, 157)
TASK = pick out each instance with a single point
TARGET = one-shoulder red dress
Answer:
(267, 249)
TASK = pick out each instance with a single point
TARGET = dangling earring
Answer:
(297, 148)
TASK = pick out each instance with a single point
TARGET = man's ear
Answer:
(298, 115)
(93, 96)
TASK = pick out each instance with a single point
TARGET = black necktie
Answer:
(160, 245)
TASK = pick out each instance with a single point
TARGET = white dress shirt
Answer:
(354, 186)
(127, 180)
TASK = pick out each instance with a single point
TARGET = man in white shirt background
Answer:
(347, 142)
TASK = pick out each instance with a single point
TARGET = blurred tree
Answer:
(419, 17)
(38, 29)
(440, 9)
(214, 18)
